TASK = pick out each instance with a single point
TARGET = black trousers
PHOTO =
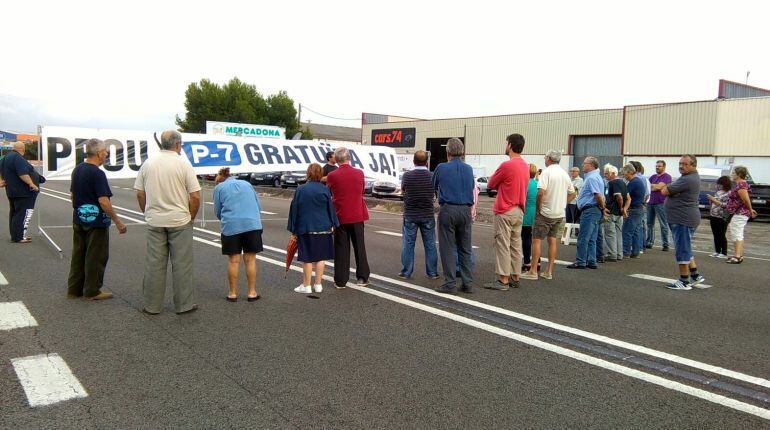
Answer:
(719, 230)
(20, 216)
(344, 235)
(90, 252)
(454, 231)
(526, 243)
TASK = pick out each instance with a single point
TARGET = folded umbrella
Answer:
(291, 249)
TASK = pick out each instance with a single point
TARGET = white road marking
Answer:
(388, 233)
(567, 329)
(544, 260)
(623, 370)
(47, 379)
(15, 315)
(660, 279)
(3, 281)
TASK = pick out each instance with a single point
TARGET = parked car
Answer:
(760, 193)
(293, 179)
(242, 176)
(481, 183)
(266, 178)
(368, 186)
(387, 189)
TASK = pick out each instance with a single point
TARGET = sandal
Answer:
(253, 299)
(232, 299)
(734, 260)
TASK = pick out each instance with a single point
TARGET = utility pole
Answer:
(299, 117)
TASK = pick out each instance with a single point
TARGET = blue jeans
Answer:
(586, 241)
(682, 242)
(409, 238)
(656, 211)
(633, 231)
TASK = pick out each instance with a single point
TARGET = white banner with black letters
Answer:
(128, 149)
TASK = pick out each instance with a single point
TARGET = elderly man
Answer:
(417, 185)
(590, 202)
(21, 188)
(633, 230)
(615, 197)
(573, 214)
(347, 187)
(454, 183)
(169, 195)
(655, 207)
(510, 180)
(90, 194)
(554, 192)
(647, 190)
(683, 217)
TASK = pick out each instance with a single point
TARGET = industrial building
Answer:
(733, 128)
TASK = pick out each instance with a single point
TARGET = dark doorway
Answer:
(605, 148)
(437, 148)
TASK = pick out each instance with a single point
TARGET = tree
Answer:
(236, 101)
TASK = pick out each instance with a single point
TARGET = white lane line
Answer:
(388, 233)
(15, 315)
(3, 281)
(661, 279)
(47, 379)
(586, 334)
(623, 370)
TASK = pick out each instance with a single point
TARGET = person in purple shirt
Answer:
(655, 207)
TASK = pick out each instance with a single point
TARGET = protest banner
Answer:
(62, 149)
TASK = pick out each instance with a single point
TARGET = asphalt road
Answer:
(566, 353)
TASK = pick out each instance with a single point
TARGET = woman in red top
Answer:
(739, 205)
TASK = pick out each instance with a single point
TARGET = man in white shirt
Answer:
(169, 195)
(554, 191)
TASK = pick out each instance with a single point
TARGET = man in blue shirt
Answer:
(590, 202)
(633, 227)
(21, 189)
(454, 182)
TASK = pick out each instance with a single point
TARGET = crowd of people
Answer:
(616, 210)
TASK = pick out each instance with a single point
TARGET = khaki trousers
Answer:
(164, 244)
(508, 253)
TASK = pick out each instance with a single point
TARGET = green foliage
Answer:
(236, 101)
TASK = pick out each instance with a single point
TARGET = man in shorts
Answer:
(554, 192)
(683, 217)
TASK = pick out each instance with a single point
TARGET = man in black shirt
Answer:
(417, 186)
(616, 196)
(90, 194)
(330, 165)
(19, 179)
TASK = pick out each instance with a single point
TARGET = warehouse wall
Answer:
(670, 129)
(743, 127)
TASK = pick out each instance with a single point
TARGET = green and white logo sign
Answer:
(245, 130)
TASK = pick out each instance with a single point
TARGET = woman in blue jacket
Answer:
(312, 220)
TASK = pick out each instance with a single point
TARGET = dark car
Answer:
(293, 179)
(760, 193)
(242, 176)
(266, 178)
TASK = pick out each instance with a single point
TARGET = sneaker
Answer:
(318, 288)
(721, 256)
(696, 281)
(361, 282)
(403, 276)
(446, 289)
(497, 285)
(600, 259)
(665, 248)
(546, 275)
(575, 266)
(303, 289)
(678, 285)
(339, 287)
(610, 260)
(466, 289)
(103, 295)
(715, 254)
(529, 275)
(433, 276)
(637, 255)
(514, 283)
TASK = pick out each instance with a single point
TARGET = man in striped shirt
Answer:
(417, 186)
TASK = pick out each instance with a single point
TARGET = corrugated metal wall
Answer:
(680, 128)
(743, 127)
(735, 90)
(542, 131)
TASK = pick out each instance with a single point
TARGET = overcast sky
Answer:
(127, 64)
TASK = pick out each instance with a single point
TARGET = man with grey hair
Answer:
(590, 202)
(633, 230)
(90, 194)
(169, 195)
(454, 183)
(613, 225)
(683, 217)
(21, 188)
(346, 184)
(554, 192)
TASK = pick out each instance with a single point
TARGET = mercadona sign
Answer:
(244, 130)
